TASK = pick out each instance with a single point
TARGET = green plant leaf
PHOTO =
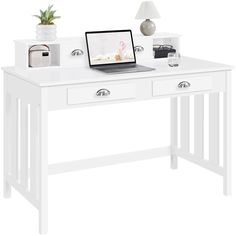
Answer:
(37, 16)
(52, 13)
(47, 16)
(50, 7)
(41, 13)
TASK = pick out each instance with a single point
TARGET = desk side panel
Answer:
(22, 99)
(22, 89)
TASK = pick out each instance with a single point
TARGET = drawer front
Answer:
(68, 58)
(143, 48)
(101, 93)
(183, 84)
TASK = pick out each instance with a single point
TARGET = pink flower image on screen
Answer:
(123, 45)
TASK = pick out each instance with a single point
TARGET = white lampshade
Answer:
(147, 10)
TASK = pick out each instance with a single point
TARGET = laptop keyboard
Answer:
(125, 69)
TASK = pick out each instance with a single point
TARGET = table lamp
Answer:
(147, 10)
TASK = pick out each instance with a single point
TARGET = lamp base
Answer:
(148, 27)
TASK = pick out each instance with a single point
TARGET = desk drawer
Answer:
(143, 48)
(101, 93)
(183, 84)
(68, 58)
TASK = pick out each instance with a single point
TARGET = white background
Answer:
(142, 198)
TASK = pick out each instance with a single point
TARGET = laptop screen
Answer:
(110, 47)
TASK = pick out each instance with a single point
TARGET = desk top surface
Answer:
(55, 76)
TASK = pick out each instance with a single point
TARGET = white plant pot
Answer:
(46, 32)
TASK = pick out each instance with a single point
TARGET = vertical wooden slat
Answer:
(43, 174)
(14, 137)
(24, 145)
(199, 125)
(173, 131)
(214, 128)
(184, 123)
(227, 164)
(7, 160)
(34, 152)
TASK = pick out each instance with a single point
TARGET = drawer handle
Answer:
(77, 52)
(184, 84)
(138, 48)
(103, 93)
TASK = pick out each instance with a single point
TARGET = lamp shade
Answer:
(147, 10)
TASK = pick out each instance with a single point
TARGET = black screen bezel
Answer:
(104, 32)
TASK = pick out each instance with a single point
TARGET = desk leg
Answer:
(173, 132)
(7, 131)
(227, 136)
(43, 171)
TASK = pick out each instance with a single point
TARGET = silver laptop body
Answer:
(112, 52)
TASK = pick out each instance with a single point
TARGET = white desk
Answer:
(30, 94)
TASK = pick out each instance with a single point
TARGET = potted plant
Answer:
(46, 29)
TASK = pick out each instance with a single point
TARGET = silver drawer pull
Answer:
(138, 48)
(77, 52)
(184, 84)
(103, 93)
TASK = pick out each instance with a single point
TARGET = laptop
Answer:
(112, 52)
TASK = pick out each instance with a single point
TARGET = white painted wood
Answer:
(108, 160)
(22, 89)
(34, 148)
(138, 89)
(14, 136)
(43, 164)
(21, 189)
(199, 161)
(24, 145)
(164, 35)
(170, 86)
(58, 95)
(199, 125)
(7, 154)
(77, 75)
(147, 44)
(41, 89)
(160, 35)
(173, 132)
(21, 55)
(184, 123)
(214, 128)
(62, 48)
(66, 48)
(87, 94)
(227, 164)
